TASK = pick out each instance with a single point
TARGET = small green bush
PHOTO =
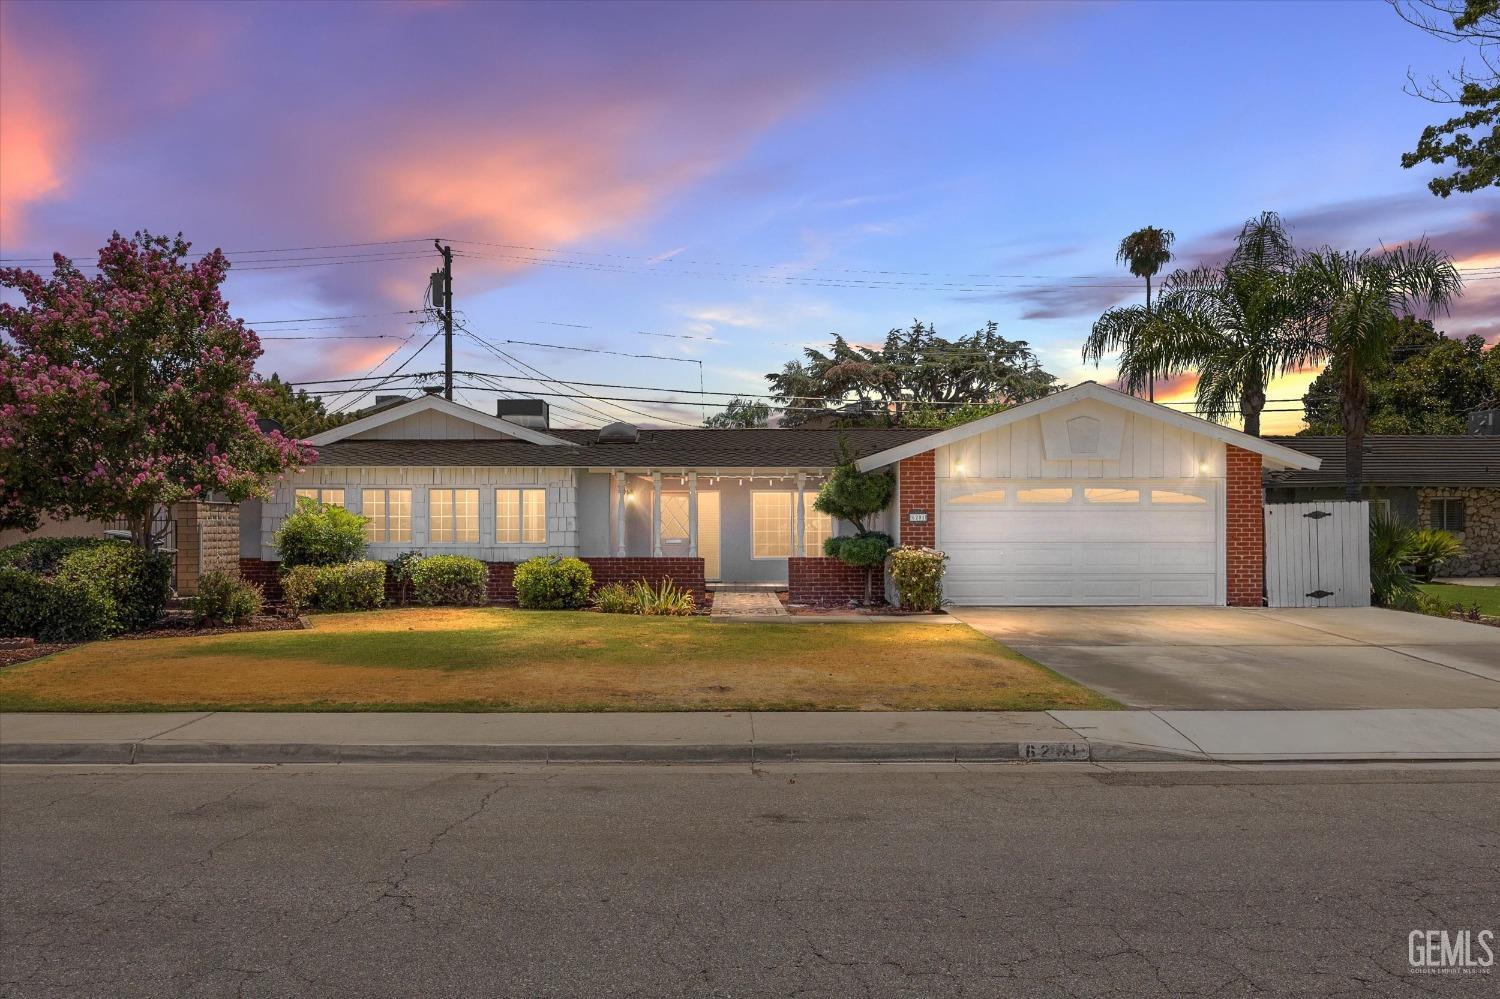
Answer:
(918, 576)
(224, 598)
(399, 570)
(552, 582)
(53, 609)
(616, 598)
(865, 550)
(318, 534)
(449, 579)
(663, 600)
(1428, 550)
(345, 587)
(138, 582)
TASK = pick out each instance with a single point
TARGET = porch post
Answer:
(801, 513)
(620, 514)
(692, 515)
(656, 514)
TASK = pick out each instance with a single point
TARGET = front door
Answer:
(674, 529)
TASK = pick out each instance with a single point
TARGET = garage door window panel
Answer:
(1045, 495)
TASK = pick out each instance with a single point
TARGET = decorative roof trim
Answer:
(1281, 456)
(437, 402)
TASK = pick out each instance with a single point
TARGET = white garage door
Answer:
(1080, 543)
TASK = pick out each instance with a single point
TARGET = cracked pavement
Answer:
(447, 880)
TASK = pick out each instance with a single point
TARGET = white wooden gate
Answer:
(1318, 554)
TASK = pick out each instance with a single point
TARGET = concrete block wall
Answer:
(208, 538)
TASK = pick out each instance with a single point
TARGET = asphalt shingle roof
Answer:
(697, 448)
(1399, 461)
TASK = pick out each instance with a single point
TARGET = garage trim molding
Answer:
(1275, 455)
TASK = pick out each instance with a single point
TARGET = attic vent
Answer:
(619, 433)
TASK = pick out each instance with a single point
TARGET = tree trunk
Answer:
(1252, 404)
(1150, 378)
(1354, 410)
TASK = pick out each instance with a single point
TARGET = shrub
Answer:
(41, 555)
(224, 598)
(863, 551)
(449, 579)
(1428, 550)
(918, 576)
(344, 587)
(1390, 552)
(53, 609)
(318, 534)
(399, 570)
(552, 582)
(138, 582)
(617, 598)
(665, 600)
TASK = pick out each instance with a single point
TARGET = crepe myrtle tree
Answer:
(129, 389)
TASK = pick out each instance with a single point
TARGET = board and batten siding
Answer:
(562, 505)
(1149, 449)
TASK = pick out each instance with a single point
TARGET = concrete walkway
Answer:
(746, 604)
(748, 737)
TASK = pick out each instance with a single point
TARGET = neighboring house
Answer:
(1087, 496)
(1447, 482)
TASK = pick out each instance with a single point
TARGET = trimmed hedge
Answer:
(42, 555)
(449, 579)
(317, 534)
(137, 581)
(553, 582)
(53, 609)
(345, 587)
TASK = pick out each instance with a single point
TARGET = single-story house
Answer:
(1087, 496)
(1447, 482)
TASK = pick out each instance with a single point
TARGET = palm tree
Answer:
(1146, 251)
(1238, 326)
(1362, 298)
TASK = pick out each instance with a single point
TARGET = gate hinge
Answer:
(1317, 515)
(1320, 594)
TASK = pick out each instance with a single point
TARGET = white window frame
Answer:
(453, 501)
(320, 494)
(383, 523)
(791, 506)
(523, 506)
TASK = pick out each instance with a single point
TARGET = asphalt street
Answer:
(997, 880)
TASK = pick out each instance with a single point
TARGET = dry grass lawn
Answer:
(487, 659)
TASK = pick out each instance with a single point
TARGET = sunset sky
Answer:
(753, 176)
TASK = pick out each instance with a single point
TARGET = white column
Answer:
(692, 515)
(801, 514)
(620, 514)
(656, 514)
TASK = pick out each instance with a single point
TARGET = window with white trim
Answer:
(771, 524)
(453, 516)
(328, 497)
(816, 527)
(1447, 514)
(520, 516)
(388, 513)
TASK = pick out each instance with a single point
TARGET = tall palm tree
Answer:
(1146, 251)
(1237, 326)
(1362, 298)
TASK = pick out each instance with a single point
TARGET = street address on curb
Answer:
(1054, 751)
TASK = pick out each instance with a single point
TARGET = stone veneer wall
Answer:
(829, 581)
(208, 538)
(1481, 533)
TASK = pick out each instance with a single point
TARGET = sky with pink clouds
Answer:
(743, 178)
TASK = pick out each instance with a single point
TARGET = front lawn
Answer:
(1487, 597)
(489, 659)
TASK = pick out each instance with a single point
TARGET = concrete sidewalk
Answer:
(749, 737)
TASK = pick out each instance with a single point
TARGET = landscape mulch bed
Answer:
(169, 627)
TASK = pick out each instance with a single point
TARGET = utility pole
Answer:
(442, 287)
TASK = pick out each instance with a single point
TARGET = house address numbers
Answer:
(916, 516)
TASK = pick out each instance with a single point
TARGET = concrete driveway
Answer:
(1248, 659)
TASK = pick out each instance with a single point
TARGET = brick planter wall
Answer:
(829, 581)
(1245, 539)
(918, 478)
(686, 573)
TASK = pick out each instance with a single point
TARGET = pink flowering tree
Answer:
(128, 390)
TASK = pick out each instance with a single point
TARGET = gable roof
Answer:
(665, 449)
(426, 403)
(1399, 460)
(1277, 454)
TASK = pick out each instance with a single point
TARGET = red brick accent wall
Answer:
(260, 571)
(829, 581)
(1245, 541)
(500, 588)
(918, 478)
(686, 573)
